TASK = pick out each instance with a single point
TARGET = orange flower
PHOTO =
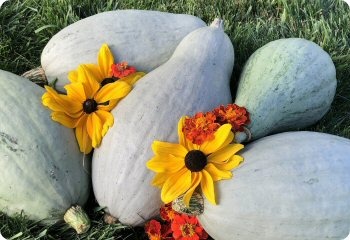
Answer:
(120, 70)
(167, 213)
(153, 230)
(233, 114)
(200, 128)
(187, 228)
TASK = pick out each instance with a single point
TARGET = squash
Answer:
(293, 185)
(42, 167)
(145, 39)
(286, 84)
(196, 78)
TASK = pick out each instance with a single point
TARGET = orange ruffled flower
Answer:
(187, 228)
(120, 70)
(233, 114)
(167, 213)
(200, 128)
(153, 230)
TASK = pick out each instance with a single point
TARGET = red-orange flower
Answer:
(153, 230)
(187, 228)
(120, 70)
(167, 213)
(200, 128)
(235, 115)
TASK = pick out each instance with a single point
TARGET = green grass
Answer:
(26, 26)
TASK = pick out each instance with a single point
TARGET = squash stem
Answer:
(217, 23)
(76, 218)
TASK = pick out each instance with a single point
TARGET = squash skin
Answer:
(293, 186)
(285, 85)
(42, 168)
(196, 78)
(145, 39)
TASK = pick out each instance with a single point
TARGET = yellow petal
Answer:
(73, 76)
(180, 133)
(207, 186)
(133, 78)
(216, 173)
(61, 103)
(221, 136)
(105, 60)
(196, 179)
(64, 119)
(89, 81)
(95, 71)
(159, 179)
(177, 184)
(112, 91)
(109, 106)
(76, 92)
(94, 129)
(170, 164)
(234, 162)
(107, 120)
(165, 148)
(83, 139)
(229, 140)
(225, 153)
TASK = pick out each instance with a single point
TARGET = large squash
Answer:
(286, 84)
(145, 39)
(196, 78)
(293, 185)
(42, 170)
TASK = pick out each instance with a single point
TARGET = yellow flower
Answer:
(86, 107)
(181, 167)
(102, 72)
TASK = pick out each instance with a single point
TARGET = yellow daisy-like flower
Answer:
(181, 167)
(86, 106)
(102, 72)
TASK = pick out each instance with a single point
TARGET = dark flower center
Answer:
(89, 106)
(108, 80)
(195, 160)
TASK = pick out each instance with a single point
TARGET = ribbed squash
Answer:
(145, 39)
(42, 170)
(291, 186)
(196, 78)
(286, 84)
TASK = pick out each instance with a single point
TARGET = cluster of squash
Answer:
(292, 185)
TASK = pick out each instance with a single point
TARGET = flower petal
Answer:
(64, 119)
(170, 164)
(176, 185)
(133, 78)
(107, 120)
(83, 139)
(105, 60)
(159, 179)
(76, 92)
(224, 153)
(234, 162)
(196, 179)
(96, 72)
(89, 81)
(207, 186)
(61, 103)
(180, 133)
(109, 106)
(116, 90)
(94, 129)
(73, 76)
(218, 174)
(165, 148)
(221, 136)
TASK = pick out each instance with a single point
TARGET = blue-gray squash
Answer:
(293, 185)
(286, 84)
